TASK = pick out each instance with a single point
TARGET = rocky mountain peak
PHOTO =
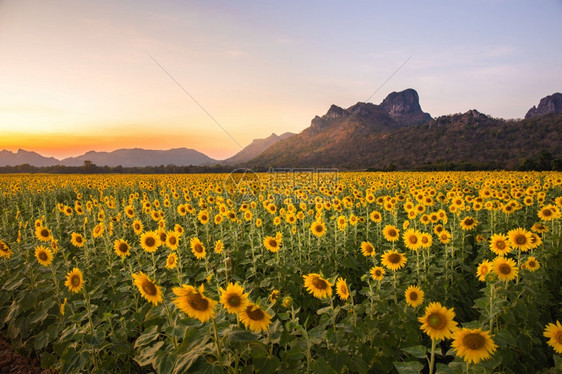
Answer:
(404, 107)
(403, 102)
(547, 105)
(336, 112)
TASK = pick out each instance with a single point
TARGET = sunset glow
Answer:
(78, 76)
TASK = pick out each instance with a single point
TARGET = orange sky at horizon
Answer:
(77, 76)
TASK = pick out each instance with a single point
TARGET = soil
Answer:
(12, 362)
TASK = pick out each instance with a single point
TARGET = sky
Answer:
(101, 75)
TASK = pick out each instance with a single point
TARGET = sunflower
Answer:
(318, 228)
(148, 289)
(233, 298)
(391, 233)
(193, 303)
(172, 261)
(426, 240)
(411, 239)
(483, 269)
(536, 240)
(203, 217)
(414, 296)
(99, 229)
(548, 213)
(341, 289)
(219, 246)
(197, 248)
(532, 264)
(520, 239)
(77, 240)
(317, 286)
(287, 301)
(272, 244)
(150, 241)
(44, 255)
(138, 226)
(438, 322)
(540, 228)
(554, 332)
(375, 216)
(74, 280)
(499, 244)
(121, 248)
(255, 318)
(468, 223)
(504, 268)
(473, 345)
(367, 249)
(393, 260)
(377, 273)
(445, 237)
(42, 233)
(5, 251)
(172, 240)
(274, 295)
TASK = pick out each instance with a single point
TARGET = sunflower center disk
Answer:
(198, 248)
(394, 258)
(273, 243)
(413, 239)
(319, 283)
(256, 315)
(123, 247)
(150, 242)
(436, 321)
(474, 341)
(149, 288)
(45, 233)
(520, 239)
(172, 240)
(505, 269)
(197, 302)
(413, 296)
(234, 300)
(500, 245)
(75, 281)
(43, 256)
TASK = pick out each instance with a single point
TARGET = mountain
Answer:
(137, 157)
(255, 148)
(20, 157)
(333, 138)
(396, 133)
(547, 105)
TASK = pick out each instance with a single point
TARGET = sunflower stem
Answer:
(171, 324)
(432, 360)
(217, 342)
(492, 289)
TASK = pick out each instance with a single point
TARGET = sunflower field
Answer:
(450, 272)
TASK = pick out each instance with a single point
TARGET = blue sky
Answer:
(78, 73)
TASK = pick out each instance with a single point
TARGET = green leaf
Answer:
(164, 362)
(147, 337)
(418, 351)
(146, 356)
(242, 336)
(321, 367)
(410, 367)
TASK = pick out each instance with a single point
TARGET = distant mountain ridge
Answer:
(394, 134)
(397, 133)
(255, 148)
(134, 157)
(8, 158)
(137, 157)
(547, 105)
